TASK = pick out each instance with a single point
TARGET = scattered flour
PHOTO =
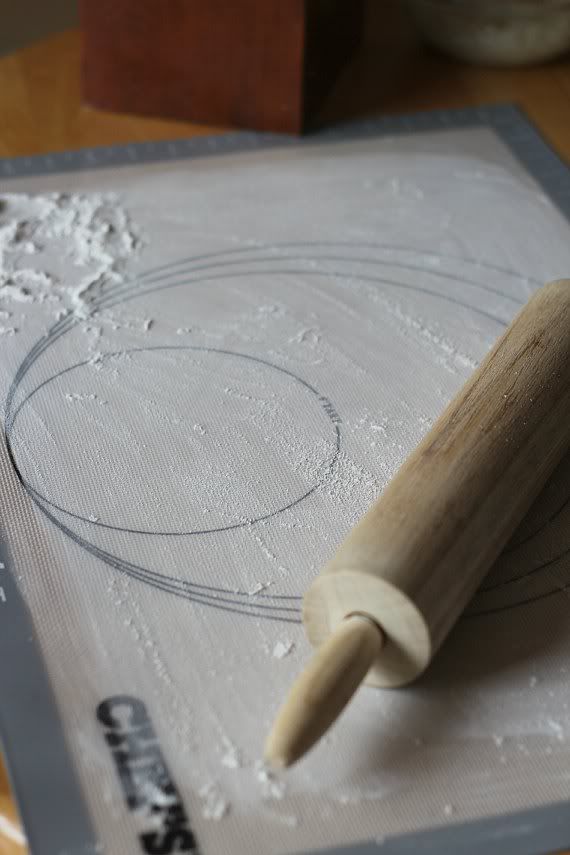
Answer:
(258, 588)
(78, 396)
(215, 806)
(231, 758)
(448, 352)
(97, 359)
(271, 788)
(308, 335)
(91, 233)
(156, 795)
(361, 795)
(287, 819)
(556, 728)
(290, 820)
(283, 649)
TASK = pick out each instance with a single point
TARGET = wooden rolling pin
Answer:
(382, 607)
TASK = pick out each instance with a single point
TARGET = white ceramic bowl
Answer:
(496, 32)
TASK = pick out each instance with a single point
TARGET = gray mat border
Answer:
(51, 826)
(31, 728)
(540, 831)
(511, 124)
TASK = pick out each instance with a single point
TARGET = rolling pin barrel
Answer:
(416, 558)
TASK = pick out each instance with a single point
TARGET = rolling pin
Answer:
(381, 608)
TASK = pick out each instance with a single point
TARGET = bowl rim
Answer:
(518, 8)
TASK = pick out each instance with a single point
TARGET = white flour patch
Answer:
(78, 396)
(66, 248)
(271, 786)
(283, 649)
(258, 588)
(289, 820)
(215, 806)
(557, 729)
(231, 758)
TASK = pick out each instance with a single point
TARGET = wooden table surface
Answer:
(41, 111)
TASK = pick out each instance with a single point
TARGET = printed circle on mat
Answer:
(266, 328)
(182, 444)
(536, 563)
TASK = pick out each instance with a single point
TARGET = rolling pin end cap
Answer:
(323, 689)
(334, 596)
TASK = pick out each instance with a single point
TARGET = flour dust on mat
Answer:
(211, 371)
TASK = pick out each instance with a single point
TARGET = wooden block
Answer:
(262, 64)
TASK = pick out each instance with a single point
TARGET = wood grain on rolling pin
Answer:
(416, 558)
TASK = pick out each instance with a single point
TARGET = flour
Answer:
(265, 376)
(215, 807)
(446, 353)
(97, 359)
(231, 758)
(350, 482)
(287, 819)
(308, 335)
(282, 649)
(78, 396)
(361, 795)
(271, 786)
(258, 588)
(42, 237)
(557, 729)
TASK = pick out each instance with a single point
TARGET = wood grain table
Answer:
(41, 111)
